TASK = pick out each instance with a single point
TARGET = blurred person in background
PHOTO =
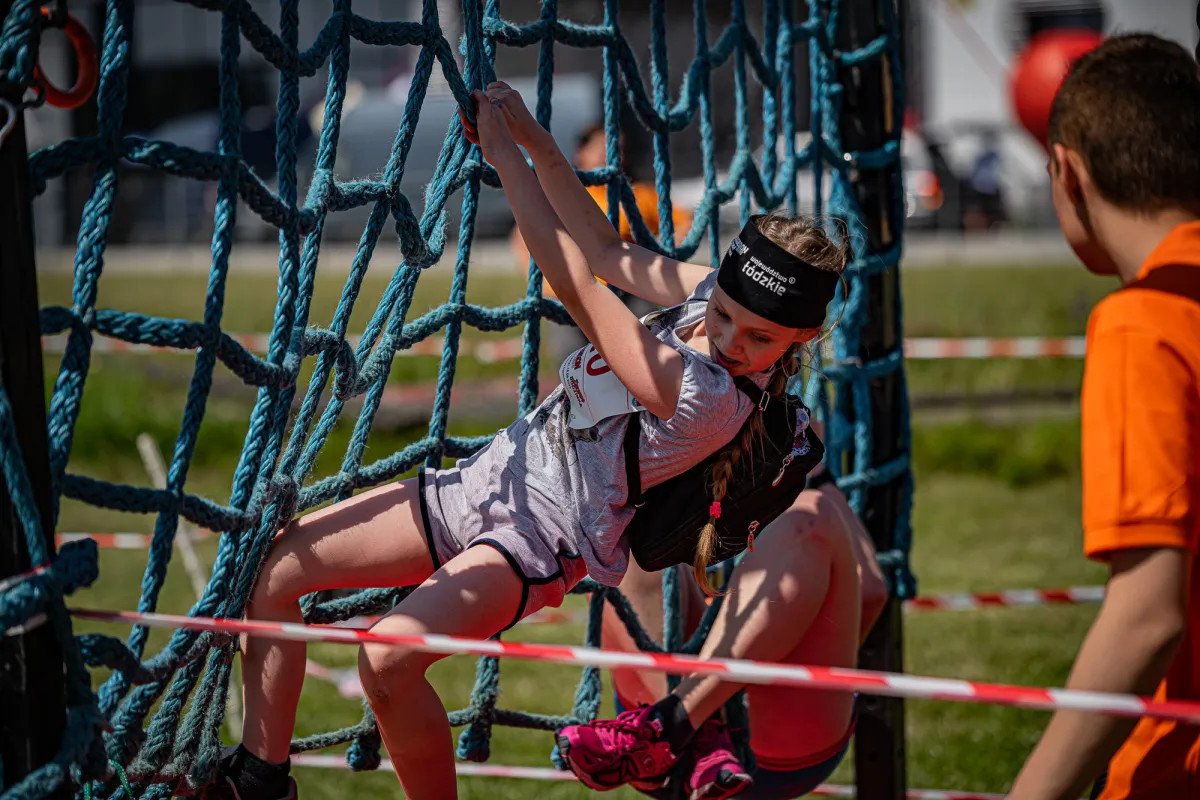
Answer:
(985, 203)
(562, 340)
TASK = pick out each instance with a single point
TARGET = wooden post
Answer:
(32, 682)
(870, 116)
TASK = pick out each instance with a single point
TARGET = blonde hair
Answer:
(806, 239)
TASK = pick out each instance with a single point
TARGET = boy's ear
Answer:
(1066, 167)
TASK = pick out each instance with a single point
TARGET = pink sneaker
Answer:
(718, 772)
(609, 753)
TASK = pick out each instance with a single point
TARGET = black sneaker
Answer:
(231, 766)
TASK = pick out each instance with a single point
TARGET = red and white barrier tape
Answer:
(828, 678)
(920, 349)
(952, 601)
(1011, 598)
(463, 769)
(37, 620)
(109, 541)
(344, 679)
(493, 350)
(20, 577)
(548, 774)
(348, 685)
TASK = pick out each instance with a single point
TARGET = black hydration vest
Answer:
(666, 526)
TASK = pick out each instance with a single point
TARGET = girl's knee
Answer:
(275, 588)
(283, 579)
(386, 670)
(810, 522)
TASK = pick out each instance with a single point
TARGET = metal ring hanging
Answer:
(88, 75)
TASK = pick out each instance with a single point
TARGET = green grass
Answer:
(1024, 454)
(996, 507)
(1017, 301)
(1012, 301)
(250, 296)
(1009, 301)
(1022, 301)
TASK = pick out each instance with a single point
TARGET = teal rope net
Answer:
(186, 682)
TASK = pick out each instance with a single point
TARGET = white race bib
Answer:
(592, 389)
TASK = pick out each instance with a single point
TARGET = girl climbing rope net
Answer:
(511, 529)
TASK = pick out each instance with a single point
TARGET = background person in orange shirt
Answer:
(1125, 177)
(590, 154)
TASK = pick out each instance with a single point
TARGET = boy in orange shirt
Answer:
(1125, 175)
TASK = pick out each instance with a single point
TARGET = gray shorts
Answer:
(462, 507)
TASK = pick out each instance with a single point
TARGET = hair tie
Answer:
(714, 510)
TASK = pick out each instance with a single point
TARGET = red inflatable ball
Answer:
(1039, 71)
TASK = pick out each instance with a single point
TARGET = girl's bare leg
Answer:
(372, 540)
(808, 594)
(774, 600)
(832, 640)
(796, 599)
(475, 595)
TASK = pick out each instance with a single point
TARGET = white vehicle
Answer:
(369, 129)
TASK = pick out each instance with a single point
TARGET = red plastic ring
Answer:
(88, 65)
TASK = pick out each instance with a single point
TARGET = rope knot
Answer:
(284, 490)
(86, 317)
(344, 482)
(363, 753)
(210, 336)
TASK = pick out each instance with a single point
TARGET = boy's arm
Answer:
(1138, 424)
(649, 369)
(1127, 651)
(646, 274)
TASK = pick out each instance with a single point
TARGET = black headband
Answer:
(773, 283)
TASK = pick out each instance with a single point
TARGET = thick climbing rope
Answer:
(185, 683)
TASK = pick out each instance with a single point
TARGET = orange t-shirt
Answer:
(1141, 482)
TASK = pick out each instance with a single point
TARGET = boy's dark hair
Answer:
(1131, 109)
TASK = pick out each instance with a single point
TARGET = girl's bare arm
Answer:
(644, 273)
(649, 369)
